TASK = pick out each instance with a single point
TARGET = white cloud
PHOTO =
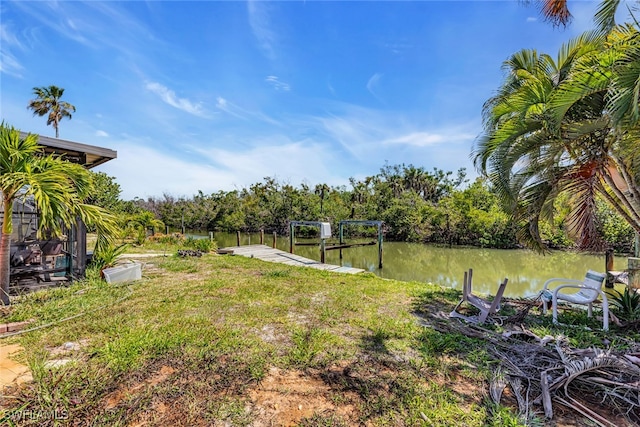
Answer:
(331, 89)
(260, 22)
(398, 47)
(9, 64)
(102, 133)
(426, 139)
(241, 113)
(531, 19)
(169, 97)
(352, 132)
(274, 155)
(277, 84)
(221, 103)
(417, 139)
(8, 37)
(328, 149)
(227, 107)
(373, 82)
(143, 171)
(367, 135)
(91, 24)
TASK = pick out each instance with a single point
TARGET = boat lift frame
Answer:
(341, 245)
(378, 224)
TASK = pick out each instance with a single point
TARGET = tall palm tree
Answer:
(48, 103)
(57, 187)
(536, 146)
(322, 190)
(612, 76)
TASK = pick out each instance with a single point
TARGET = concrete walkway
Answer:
(12, 372)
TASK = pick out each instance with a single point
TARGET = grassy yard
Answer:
(224, 340)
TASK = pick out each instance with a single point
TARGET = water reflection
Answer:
(526, 270)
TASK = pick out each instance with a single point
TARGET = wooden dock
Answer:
(267, 253)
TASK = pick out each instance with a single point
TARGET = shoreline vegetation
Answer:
(415, 205)
(227, 340)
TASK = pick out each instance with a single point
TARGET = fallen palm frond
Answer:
(603, 386)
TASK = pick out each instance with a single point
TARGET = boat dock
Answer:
(267, 253)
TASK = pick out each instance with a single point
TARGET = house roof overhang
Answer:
(87, 155)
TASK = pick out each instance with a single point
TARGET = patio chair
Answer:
(589, 290)
(486, 307)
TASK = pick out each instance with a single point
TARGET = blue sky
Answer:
(217, 95)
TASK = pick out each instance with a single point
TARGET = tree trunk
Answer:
(5, 250)
(5, 242)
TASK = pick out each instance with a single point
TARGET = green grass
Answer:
(218, 326)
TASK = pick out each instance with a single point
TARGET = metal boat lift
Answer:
(325, 233)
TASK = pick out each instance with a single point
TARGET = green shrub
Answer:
(107, 256)
(168, 239)
(627, 305)
(140, 236)
(203, 245)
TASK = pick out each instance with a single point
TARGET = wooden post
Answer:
(262, 236)
(634, 273)
(238, 237)
(291, 237)
(72, 245)
(274, 239)
(609, 268)
(341, 233)
(379, 246)
(81, 247)
(211, 236)
(322, 250)
(166, 230)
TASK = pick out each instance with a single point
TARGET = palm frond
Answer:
(556, 11)
(606, 14)
(581, 221)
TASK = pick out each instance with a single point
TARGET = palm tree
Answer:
(57, 187)
(48, 102)
(144, 221)
(536, 146)
(322, 190)
(557, 12)
(611, 75)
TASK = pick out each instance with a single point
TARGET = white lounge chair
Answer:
(589, 290)
(486, 307)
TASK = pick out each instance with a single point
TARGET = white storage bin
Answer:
(123, 273)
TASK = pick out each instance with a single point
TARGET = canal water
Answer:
(526, 270)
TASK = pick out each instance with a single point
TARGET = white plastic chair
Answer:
(487, 308)
(589, 290)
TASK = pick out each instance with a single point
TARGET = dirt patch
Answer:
(113, 399)
(67, 348)
(471, 392)
(284, 398)
(271, 334)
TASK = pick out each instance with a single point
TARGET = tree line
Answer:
(415, 204)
